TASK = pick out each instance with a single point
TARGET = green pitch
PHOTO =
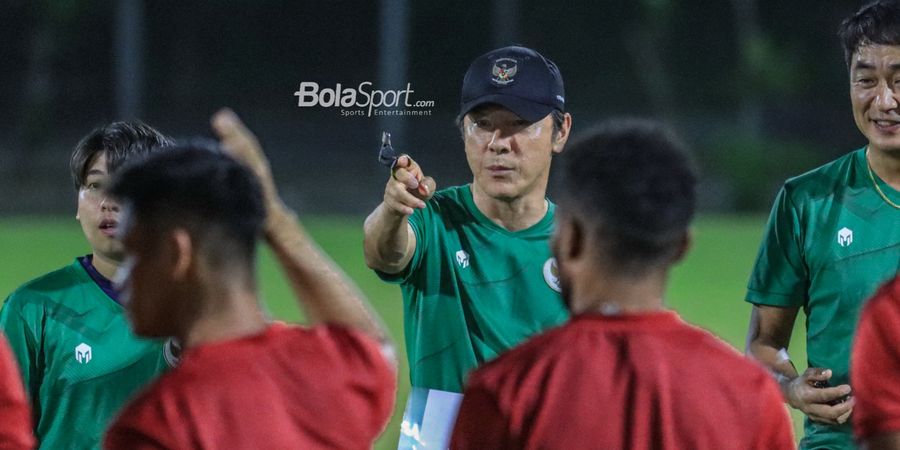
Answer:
(707, 288)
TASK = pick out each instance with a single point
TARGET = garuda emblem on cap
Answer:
(504, 70)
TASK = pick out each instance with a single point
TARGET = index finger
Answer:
(406, 177)
(825, 395)
(404, 162)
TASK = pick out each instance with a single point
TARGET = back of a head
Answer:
(877, 22)
(633, 183)
(120, 141)
(195, 186)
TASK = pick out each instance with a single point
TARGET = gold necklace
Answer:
(875, 183)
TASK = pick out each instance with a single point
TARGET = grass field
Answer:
(707, 288)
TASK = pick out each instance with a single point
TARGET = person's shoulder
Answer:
(152, 412)
(449, 196)
(450, 204)
(885, 304)
(291, 335)
(822, 180)
(45, 287)
(452, 192)
(712, 351)
(148, 403)
(539, 353)
(342, 342)
(328, 344)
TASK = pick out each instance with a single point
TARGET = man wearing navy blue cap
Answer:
(473, 261)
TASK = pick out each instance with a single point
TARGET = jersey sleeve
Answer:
(420, 221)
(15, 428)
(480, 422)
(371, 372)
(20, 320)
(875, 360)
(779, 275)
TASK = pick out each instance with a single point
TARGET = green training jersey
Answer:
(79, 359)
(831, 241)
(473, 289)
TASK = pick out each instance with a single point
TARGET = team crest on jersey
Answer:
(845, 237)
(504, 70)
(551, 274)
(462, 258)
(83, 353)
(172, 352)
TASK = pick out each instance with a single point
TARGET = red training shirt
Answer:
(15, 425)
(874, 362)
(286, 388)
(639, 381)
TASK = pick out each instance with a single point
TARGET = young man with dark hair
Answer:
(833, 238)
(16, 432)
(192, 217)
(473, 261)
(79, 360)
(624, 372)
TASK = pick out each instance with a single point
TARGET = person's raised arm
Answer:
(389, 239)
(325, 293)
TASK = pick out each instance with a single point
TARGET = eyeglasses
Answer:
(94, 190)
(484, 131)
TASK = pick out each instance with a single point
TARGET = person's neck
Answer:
(105, 266)
(513, 214)
(610, 293)
(886, 165)
(226, 316)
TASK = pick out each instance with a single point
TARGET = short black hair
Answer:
(194, 185)
(120, 141)
(876, 22)
(634, 183)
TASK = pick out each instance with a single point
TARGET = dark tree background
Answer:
(758, 88)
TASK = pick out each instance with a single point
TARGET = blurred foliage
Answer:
(775, 68)
(685, 61)
(754, 167)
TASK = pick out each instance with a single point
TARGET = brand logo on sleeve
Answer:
(551, 274)
(845, 237)
(462, 258)
(83, 353)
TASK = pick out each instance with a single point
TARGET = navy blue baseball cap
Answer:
(517, 78)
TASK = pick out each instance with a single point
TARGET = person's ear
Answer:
(684, 245)
(569, 240)
(562, 135)
(182, 252)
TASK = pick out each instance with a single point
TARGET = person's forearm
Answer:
(386, 242)
(776, 360)
(326, 294)
(324, 291)
(768, 336)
